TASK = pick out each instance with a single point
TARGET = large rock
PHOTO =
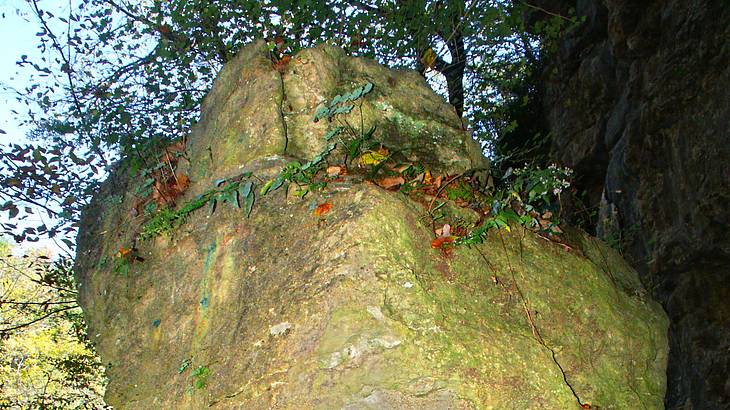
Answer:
(352, 309)
(638, 101)
(253, 111)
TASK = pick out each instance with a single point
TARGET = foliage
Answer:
(236, 191)
(200, 376)
(185, 364)
(337, 105)
(527, 196)
(303, 174)
(45, 361)
(119, 78)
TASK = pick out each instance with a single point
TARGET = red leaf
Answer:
(280, 65)
(322, 209)
(441, 241)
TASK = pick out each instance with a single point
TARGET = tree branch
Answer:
(38, 319)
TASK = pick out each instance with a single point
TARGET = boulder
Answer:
(301, 306)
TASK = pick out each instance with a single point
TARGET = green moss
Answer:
(166, 219)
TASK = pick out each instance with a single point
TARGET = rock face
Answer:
(352, 308)
(638, 101)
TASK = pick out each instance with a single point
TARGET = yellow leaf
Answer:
(428, 58)
(427, 177)
(372, 158)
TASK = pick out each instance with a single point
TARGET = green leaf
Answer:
(13, 212)
(367, 88)
(248, 203)
(211, 206)
(369, 132)
(184, 365)
(355, 94)
(219, 182)
(345, 109)
(338, 99)
(278, 182)
(354, 148)
(321, 113)
(332, 133)
(245, 189)
(267, 187)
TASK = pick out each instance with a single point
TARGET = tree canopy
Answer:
(45, 360)
(120, 78)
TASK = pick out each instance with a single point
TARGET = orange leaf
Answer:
(123, 252)
(334, 171)
(322, 209)
(439, 242)
(390, 182)
(401, 168)
(282, 63)
(428, 178)
(174, 149)
(181, 183)
(437, 181)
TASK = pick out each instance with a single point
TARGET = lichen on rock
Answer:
(353, 308)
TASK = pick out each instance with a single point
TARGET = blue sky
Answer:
(18, 38)
(17, 31)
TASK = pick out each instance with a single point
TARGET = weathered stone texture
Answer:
(353, 309)
(638, 101)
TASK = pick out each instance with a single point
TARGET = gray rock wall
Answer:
(638, 101)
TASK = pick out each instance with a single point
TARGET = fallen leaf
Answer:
(322, 209)
(372, 158)
(418, 178)
(444, 231)
(175, 148)
(123, 252)
(439, 242)
(334, 171)
(428, 178)
(181, 183)
(281, 64)
(437, 181)
(391, 182)
(400, 168)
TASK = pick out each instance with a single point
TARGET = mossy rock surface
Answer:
(254, 111)
(353, 309)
